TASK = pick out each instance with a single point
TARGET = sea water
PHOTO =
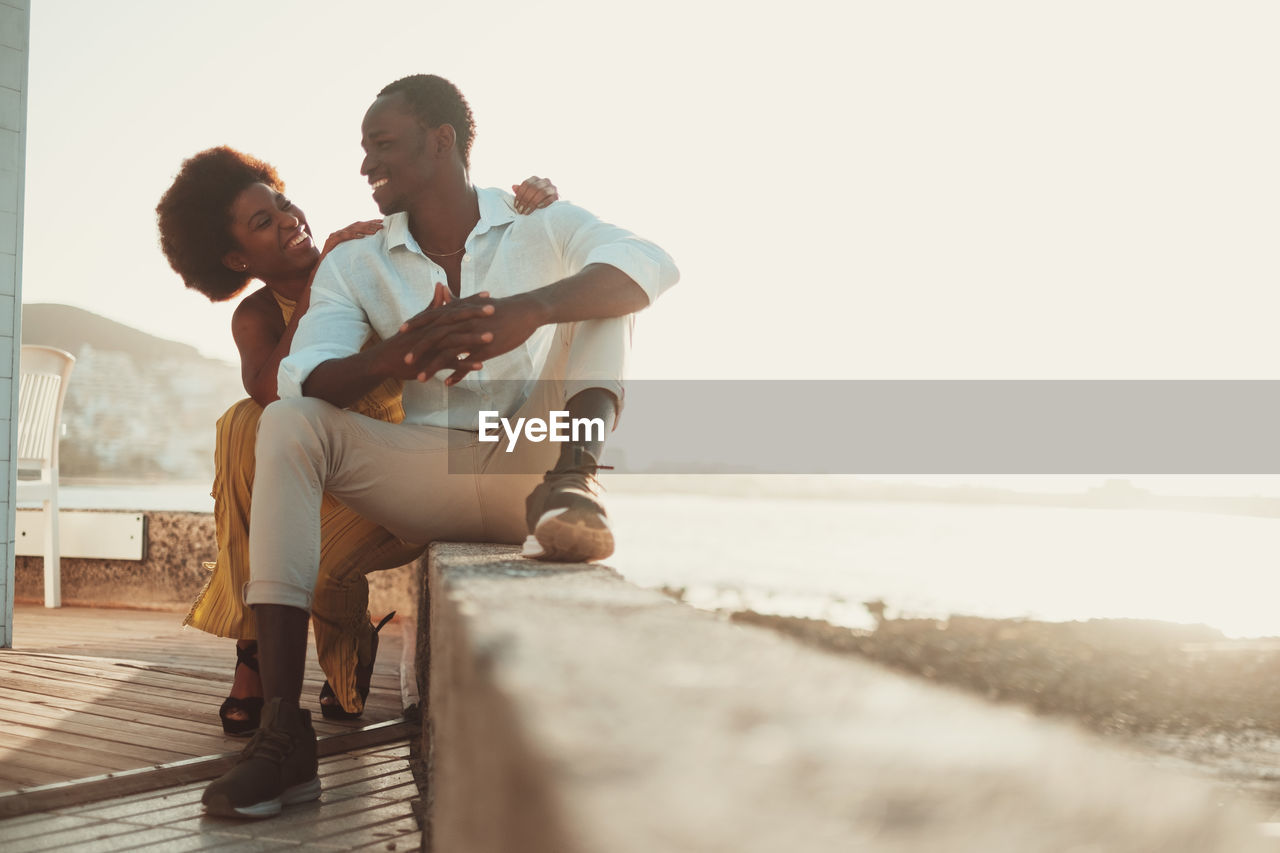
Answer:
(825, 557)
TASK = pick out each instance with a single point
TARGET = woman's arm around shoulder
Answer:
(263, 339)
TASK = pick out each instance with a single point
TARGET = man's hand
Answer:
(507, 323)
(438, 337)
(422, 353)
(441, 339)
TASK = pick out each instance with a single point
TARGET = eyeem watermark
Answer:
(560, 427)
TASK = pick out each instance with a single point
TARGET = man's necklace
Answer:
(444, 254)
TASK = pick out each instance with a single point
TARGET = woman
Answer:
(224, 221)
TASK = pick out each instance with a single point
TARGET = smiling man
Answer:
(526, 317)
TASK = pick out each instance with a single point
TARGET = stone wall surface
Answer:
(169, 574)
(172, 572)
(568, 710)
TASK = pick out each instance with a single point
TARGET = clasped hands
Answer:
(461, 334)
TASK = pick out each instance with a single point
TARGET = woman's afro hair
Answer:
(194, 216)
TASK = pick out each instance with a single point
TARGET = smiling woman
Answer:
(194, 217)
(273, 232)
(225, 221)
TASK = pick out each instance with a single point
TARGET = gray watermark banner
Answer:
(936, 427)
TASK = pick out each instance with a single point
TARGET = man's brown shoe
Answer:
(566, 520)
(278, 768)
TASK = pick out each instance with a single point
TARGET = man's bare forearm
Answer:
(343, 381)
(597, 292)
(419, 353)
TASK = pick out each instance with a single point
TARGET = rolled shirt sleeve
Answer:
(335, 326)
(584, 240)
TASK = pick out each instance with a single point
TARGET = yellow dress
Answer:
(351, 546)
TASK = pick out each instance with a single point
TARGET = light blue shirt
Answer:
(372, 285)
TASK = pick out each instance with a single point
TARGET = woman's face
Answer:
(272, 236)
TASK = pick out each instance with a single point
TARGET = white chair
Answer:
(44, 373)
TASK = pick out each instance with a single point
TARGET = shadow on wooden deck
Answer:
(87, 692)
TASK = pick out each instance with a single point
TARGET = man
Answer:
(522, 317)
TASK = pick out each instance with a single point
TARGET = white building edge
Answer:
(15, 29)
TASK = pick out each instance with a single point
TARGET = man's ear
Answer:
(444, 138)
(235, 262)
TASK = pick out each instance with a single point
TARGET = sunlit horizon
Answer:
(851, 192)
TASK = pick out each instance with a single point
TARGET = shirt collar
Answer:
(396, 227)
(495, 210)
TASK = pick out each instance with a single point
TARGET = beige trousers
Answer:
(350, 548)
(422, 483)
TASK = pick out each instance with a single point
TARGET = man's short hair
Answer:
(436, 101)
(194, 216)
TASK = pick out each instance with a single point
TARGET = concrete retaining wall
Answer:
(568, 710)
(169, 575)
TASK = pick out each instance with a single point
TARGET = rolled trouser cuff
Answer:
(277, 592)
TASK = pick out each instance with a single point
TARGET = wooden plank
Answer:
(57, 720)
(107, 786)
(171, 706)
(111, 676)
(15, 757)
(106, 679)
(198, 686)
(15, 777)
(140, 718)
(184, 679)
(158, 712)
(60, 629)
(79, 747)
(84, 747)
(144, 711)
(179, 715)
(82, 682)
(161, 654)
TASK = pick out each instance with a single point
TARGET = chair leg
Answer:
(52, 566)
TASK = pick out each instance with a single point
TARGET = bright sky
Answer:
(852, 190)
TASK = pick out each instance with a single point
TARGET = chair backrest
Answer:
(44, 373)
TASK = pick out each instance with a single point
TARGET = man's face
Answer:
(398, 158)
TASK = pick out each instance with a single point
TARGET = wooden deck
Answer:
(370, 802)
(88, 691)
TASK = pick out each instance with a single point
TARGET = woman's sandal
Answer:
(330, 707)
(250, 706)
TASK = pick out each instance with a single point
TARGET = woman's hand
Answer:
(354, 231)
(533, 194)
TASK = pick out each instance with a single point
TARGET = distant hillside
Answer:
(69, 328)
(138, 407)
